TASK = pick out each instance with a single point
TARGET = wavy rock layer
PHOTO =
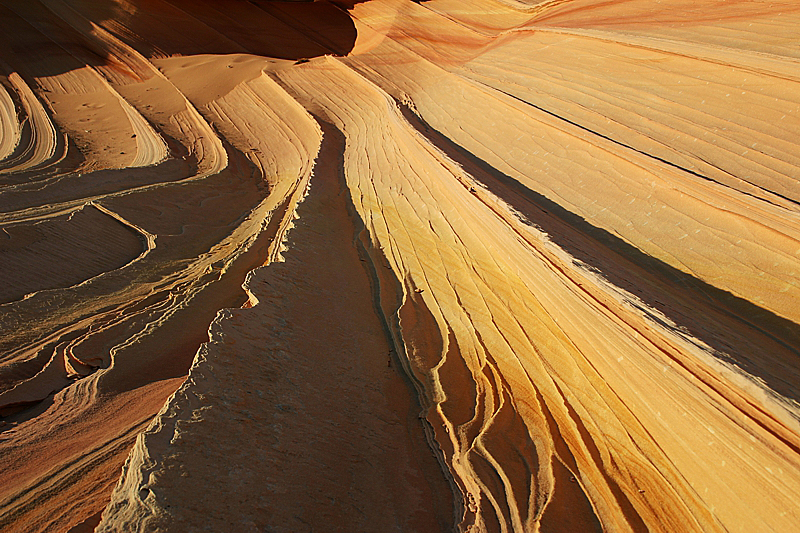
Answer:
(529, 266)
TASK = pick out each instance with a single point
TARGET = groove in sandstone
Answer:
(554, 242)
(320, 398)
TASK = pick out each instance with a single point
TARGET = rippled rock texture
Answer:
(453, 265)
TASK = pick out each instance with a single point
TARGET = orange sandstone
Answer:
(474, 265)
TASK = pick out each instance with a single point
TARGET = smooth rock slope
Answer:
(452, 265)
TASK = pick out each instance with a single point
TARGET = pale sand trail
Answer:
(580, 237)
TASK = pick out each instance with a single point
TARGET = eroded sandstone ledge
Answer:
(506, 266)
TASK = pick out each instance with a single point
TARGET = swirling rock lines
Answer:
(507, 266)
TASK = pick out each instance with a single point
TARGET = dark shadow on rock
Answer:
(41, 42)
(737, 331)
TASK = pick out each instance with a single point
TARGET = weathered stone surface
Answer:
(472, 265)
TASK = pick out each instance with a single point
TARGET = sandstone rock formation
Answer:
(453, 265)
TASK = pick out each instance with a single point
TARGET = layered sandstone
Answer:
(474, 265)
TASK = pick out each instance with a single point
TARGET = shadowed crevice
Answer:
(750, 337)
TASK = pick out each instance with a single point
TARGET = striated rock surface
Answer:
(474, 265)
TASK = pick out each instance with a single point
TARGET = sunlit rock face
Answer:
(453, 265)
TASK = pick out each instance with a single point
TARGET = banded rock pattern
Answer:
(474, 265)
